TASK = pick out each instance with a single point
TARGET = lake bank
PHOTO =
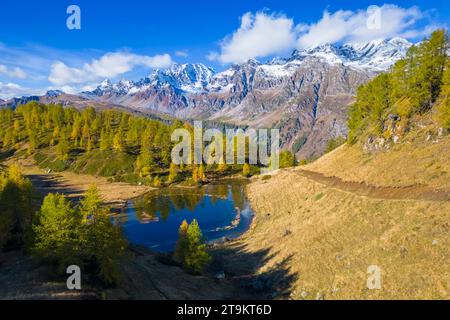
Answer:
(73, 185)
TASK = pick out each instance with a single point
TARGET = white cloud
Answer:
(12, 72)
(182, 53)
(259, 35)
(263, 34)
(10, 90)
(109, 65)
(387, 21)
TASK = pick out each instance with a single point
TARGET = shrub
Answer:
(334, 143)
(287, 159)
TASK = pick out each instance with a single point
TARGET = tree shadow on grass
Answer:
(242, 268)
(46, 184)
(4, 155)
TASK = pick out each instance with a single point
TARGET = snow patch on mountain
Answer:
(373, 57)
(188, 77)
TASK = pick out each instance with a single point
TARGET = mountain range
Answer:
(305, 95)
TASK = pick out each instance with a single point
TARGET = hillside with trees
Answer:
(416, 85)
(399, 124)
(382, 199)
(108, 143)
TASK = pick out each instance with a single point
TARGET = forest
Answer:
(108, 143)
(121, 146)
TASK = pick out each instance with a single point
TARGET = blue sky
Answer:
(127, 39)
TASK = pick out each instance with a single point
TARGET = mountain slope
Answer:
(355, 208)
(381, 202)
(328, 239)
(305, 95)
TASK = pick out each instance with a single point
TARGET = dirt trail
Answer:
(414, 192)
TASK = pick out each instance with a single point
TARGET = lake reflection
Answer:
(221, 210)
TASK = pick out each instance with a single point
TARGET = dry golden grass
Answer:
(334, 236)
(413, 161)
(331, 231)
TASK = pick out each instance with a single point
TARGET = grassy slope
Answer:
(412, 161)
(330, 237)
(119, 165)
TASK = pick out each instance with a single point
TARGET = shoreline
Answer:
(73, 185)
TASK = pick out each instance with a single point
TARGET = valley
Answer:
(364, 181)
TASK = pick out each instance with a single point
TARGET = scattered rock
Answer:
(394, 117)
(319, 296)
(434, 243)
(335, 290)
(374, 143)
(395, 139)
(403, 250)
(339, 257)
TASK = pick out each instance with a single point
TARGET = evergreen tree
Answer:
(246, 170)
(201, 173)
(104, 140)
(64, 236)
(104, 246)
(444, 101)
(173, 172)
(15, 207)
(157, 182)
(195, 257)
(118, 143)
(287, 159)
(182, 243)
(91, 202)
(86, 133)
(57, 232)
(89, 145)
(63, 148)
(222, 167)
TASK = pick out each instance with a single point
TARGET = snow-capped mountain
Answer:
(377, 55)
(187, 77)
(305, 95)
(374, 56)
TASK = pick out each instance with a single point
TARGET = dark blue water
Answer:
(221, 210)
